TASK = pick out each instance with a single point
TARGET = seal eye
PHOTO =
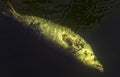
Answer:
(91, 54)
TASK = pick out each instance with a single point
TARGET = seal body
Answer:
(62, 36)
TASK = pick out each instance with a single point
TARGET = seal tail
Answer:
(11, 11)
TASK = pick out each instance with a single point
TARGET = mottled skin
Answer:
(60, 35)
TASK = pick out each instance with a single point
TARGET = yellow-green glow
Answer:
(64, 37)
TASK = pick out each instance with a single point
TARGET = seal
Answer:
(60, 35)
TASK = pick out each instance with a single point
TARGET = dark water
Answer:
(23, 54)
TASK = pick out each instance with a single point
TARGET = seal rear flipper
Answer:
(10, 12)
